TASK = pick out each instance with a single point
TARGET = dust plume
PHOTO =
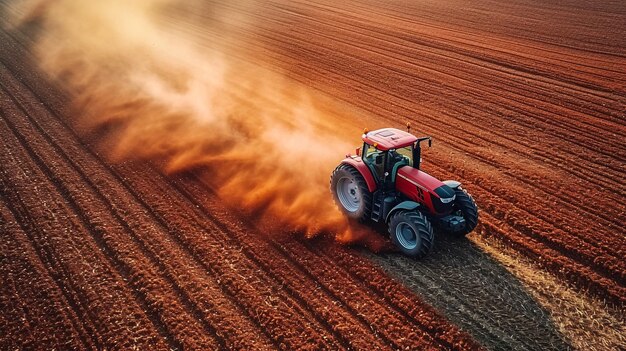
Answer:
(150, 91)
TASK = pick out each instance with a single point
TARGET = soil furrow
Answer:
(555, 160)
(365, 71)
(386, 41)
(232, 293)
(31, 296)
(365, 21)
(77, 265)
(104, 230)
(267, 315)
(386, 324)
(127, 218)
(598, 256)
(401, 15)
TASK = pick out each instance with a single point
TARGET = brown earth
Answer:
(532, 123)
(526, 102)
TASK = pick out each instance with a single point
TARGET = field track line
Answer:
(179, 291)
(17, 239)
(96, 235)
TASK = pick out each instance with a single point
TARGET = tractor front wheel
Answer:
(350, 193)
(465, 205)
(412, 233)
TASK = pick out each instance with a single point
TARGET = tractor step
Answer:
(377, 206)
(376, 210)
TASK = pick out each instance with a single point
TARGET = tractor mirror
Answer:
(358, 151)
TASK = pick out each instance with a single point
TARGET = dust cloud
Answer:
(155, 94)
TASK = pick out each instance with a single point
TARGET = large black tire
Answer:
(350, 193)
(412, 233)
(464, 203)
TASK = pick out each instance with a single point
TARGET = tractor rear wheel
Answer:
(350, 193)
(464, 203)
(412, 233)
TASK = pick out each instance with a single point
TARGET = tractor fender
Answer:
(452, 183)
(360, 166)
(404, 205)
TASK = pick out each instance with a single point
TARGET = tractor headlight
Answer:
(447, 200)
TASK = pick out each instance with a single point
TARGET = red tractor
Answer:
(383, 183)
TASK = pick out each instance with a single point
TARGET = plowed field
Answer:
(526, 102)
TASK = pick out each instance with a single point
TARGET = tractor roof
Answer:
(389, 138)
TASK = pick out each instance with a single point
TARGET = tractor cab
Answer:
(387, 150)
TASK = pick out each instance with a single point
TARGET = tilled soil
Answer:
(131, 260)
(99, 256)
(530, 119)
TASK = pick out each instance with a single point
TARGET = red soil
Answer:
(100, 256)
(529, 118)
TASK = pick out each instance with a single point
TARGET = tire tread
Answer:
(468, 207)
(424, 231)
(367, 195)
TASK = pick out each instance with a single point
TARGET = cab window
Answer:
(368, 151)
(375, 159)
(404, 154)
(372, 155)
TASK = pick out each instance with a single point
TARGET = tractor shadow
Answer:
(477, 293)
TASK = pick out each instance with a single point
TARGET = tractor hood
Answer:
(425, 189)
(419, 178)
